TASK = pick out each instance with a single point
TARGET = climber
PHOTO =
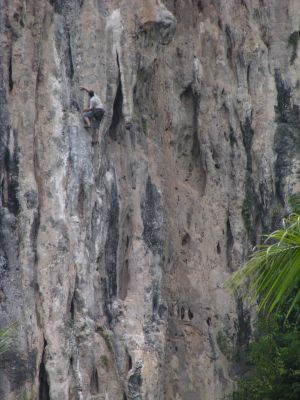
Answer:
(96, 109)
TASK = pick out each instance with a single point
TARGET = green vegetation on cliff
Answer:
(272, 275)
(273, 361)
(272, 278)
(7, 337)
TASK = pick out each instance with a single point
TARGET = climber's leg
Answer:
(96, 137)
(87, 118)
(98, 114)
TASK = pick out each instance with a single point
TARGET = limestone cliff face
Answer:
(114, 256)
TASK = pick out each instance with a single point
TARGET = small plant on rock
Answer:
(102, 331)
(104, 361)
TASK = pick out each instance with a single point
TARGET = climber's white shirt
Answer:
(95, 102)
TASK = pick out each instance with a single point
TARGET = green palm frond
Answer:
(272, 274)
(7, 335)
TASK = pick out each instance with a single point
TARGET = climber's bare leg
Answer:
(97, 135)
(87, 121)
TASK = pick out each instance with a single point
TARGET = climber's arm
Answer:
(84, 89)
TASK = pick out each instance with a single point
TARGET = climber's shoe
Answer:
(87, 126)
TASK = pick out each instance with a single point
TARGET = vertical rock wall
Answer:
(114, 255)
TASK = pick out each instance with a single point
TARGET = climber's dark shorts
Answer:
(96, 113)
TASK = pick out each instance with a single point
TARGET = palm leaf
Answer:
(7, 337)
(272, 273)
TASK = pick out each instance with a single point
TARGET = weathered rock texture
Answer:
(114, 256)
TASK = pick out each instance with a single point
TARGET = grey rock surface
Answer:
(115, 246)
